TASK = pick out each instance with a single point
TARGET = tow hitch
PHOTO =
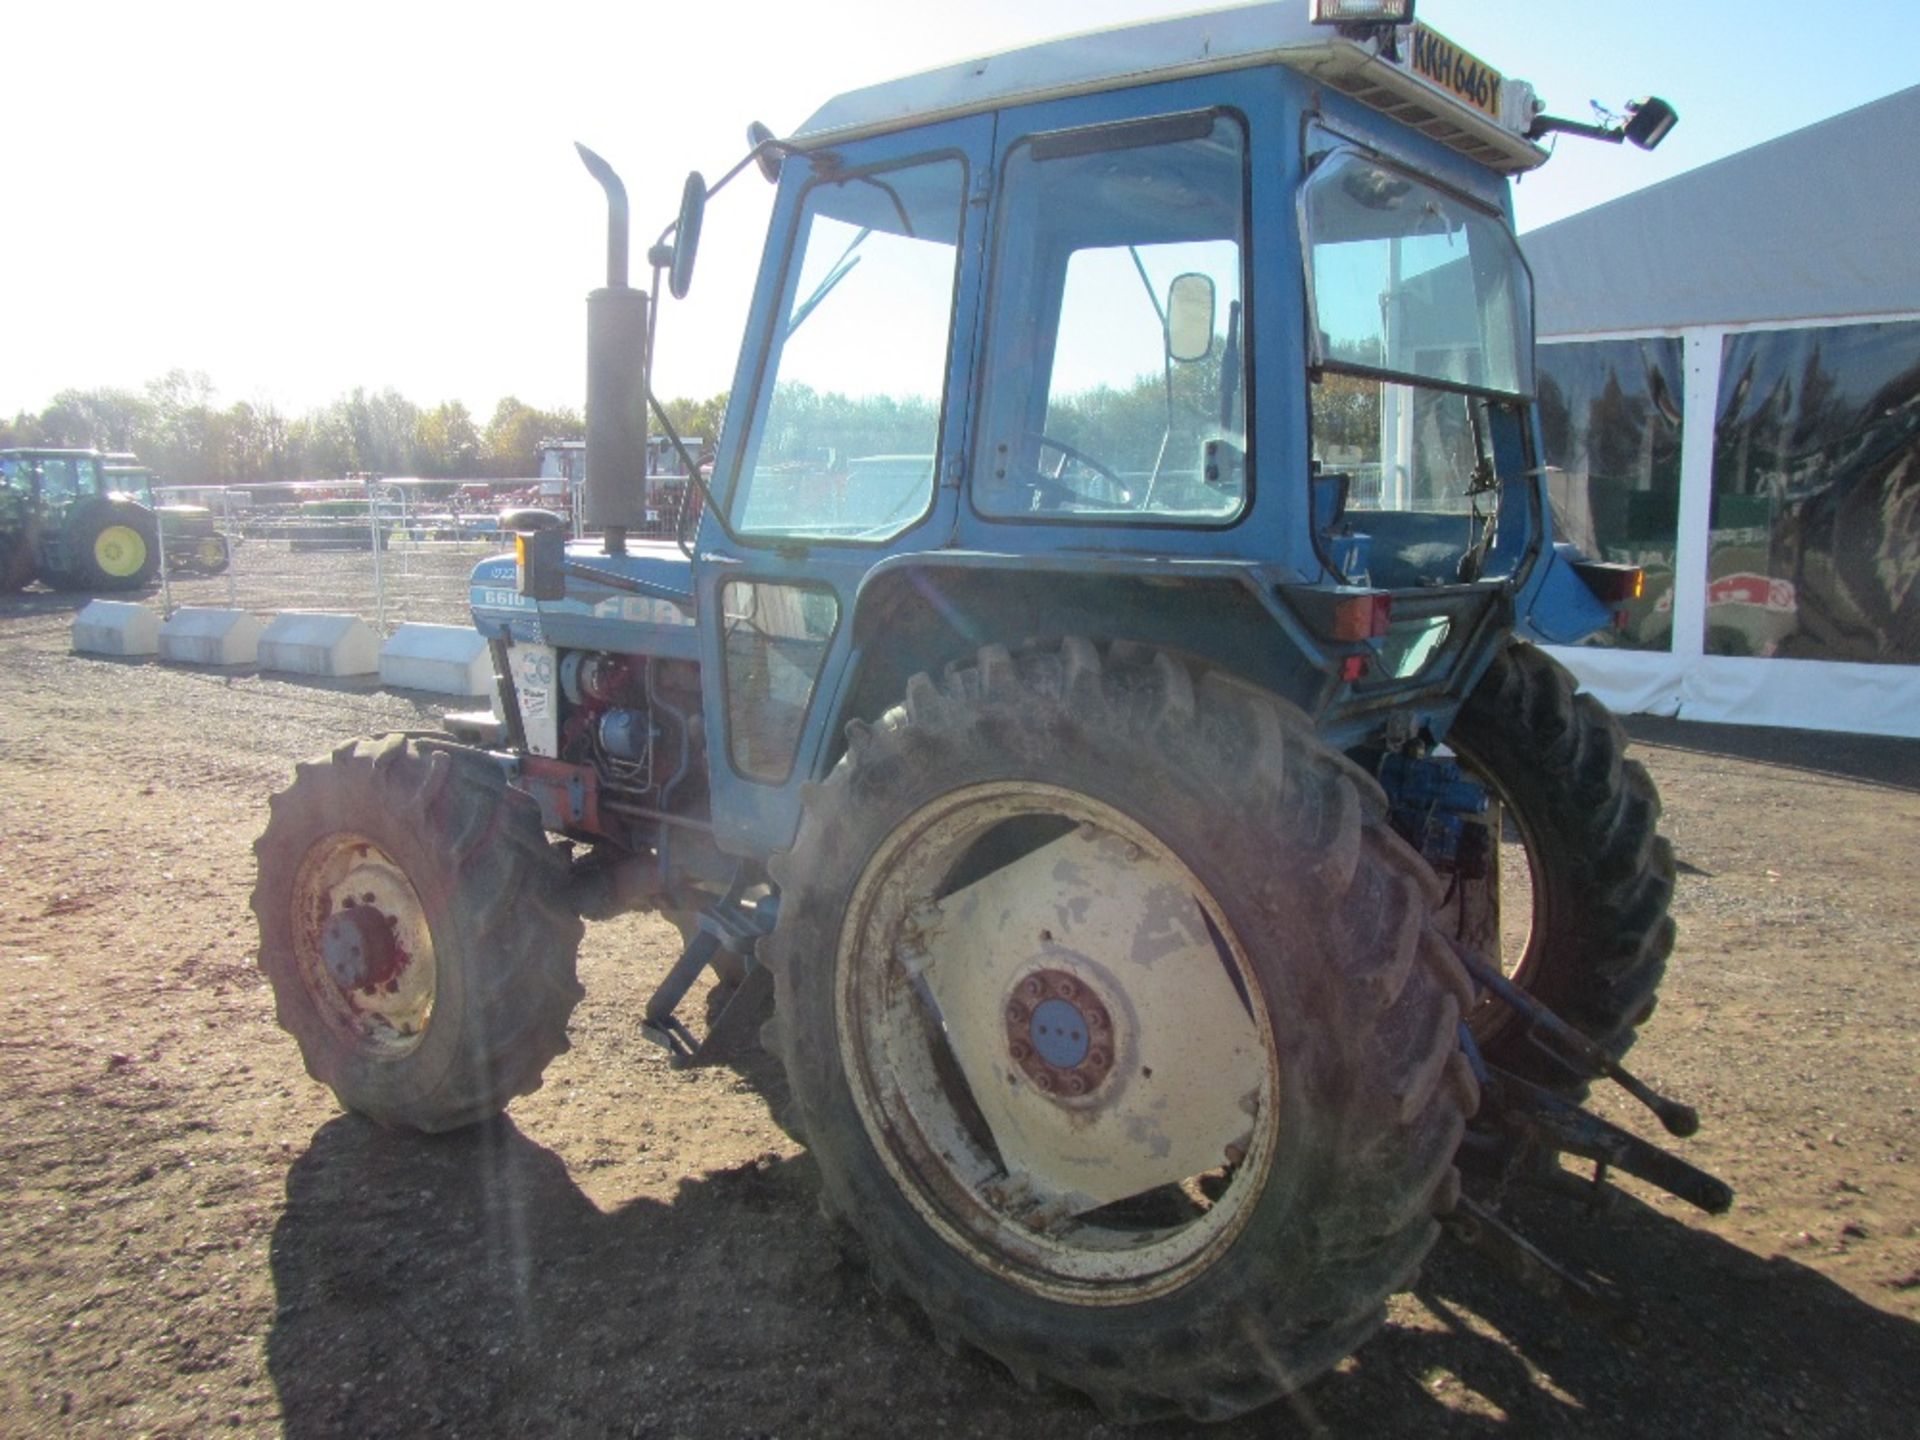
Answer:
(1527, 1126)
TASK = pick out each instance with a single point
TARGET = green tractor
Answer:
(83, 520)
(193, 544)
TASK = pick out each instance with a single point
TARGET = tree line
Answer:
(174, 425)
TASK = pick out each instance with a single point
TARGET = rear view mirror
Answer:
(766, 156)
(1190, 317)
(686, 236)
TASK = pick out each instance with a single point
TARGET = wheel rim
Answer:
(120, 551)
(1044, 1020)
(1518, 897)
(363, 945)
(211, 552)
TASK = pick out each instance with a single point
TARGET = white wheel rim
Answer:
(1176, 1117)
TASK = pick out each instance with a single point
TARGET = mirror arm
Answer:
(1550, 124)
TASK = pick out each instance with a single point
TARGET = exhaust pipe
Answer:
(616, 481)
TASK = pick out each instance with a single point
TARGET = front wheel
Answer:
(1116, 1026)
(1583, 876)
(412, 929)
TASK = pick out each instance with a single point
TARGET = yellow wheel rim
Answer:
(212, 552)
(119, 551)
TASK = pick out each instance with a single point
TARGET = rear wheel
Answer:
(115, 549)
(1587, 877)
(1116, 1026)
(412, 928)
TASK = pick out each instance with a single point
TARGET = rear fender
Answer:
(938, 612)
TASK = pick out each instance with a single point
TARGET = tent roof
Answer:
(1818, 223)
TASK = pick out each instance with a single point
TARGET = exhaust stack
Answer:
(616, 481)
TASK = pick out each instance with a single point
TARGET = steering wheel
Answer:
(1108, 490)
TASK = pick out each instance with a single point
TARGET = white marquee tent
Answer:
(1731, 390)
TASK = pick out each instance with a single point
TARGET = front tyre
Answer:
(1585, 930)
(1116, 1026)
(412, 929)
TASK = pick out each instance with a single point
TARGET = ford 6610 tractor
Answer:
(1087, 726)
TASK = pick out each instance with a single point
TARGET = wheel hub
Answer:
(361, 949)
(1059, 1034)
(363, 944)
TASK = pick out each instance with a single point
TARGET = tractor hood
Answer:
(593, 616)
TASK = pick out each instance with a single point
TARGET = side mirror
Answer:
(686, 236)
(1190, 317)
(1649, 120)
(768, 159)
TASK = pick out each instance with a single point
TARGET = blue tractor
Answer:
(1086, 727)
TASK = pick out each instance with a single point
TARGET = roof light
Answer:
(1363, 12)
(1648, 121)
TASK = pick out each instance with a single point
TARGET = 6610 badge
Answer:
(1441, 63)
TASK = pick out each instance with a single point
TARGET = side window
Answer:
(776, 641)
(846, 427)
(57, 480)
(1117, 353)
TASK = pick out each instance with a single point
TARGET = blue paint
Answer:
(1059, 1034)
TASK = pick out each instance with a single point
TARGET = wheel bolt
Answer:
(1016, 1013)
(1097, 1018)
(1032, 988)
(1075, 1085)
(1044, 1081)
(1019, 1051)
(1098, 1059)
(1065, 988)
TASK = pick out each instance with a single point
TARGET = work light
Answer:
(1362, 12)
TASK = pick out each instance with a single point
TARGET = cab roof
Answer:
(1207, 42)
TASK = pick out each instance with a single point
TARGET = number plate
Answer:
(1443, 64)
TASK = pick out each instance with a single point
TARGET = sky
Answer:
(301, 198)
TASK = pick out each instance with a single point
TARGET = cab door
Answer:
(853, 385)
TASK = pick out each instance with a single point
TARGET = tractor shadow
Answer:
(465, 1285)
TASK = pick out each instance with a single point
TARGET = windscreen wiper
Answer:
(842, 268)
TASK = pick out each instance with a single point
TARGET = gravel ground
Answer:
(194, 1241)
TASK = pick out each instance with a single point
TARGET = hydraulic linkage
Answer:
(1527, 1126)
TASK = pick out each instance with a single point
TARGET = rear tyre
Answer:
(412, 927)
(1591, 942)
(115, 548)
(1116, 1026)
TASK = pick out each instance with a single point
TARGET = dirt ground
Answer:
(195, 1241)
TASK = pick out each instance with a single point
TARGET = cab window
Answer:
(1117, 359)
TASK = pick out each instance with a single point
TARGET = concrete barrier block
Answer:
(194, 635)
(313, 642)
(446, 659)
(116, 627)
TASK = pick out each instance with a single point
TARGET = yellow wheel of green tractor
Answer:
(210, 554)
(120, 551)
